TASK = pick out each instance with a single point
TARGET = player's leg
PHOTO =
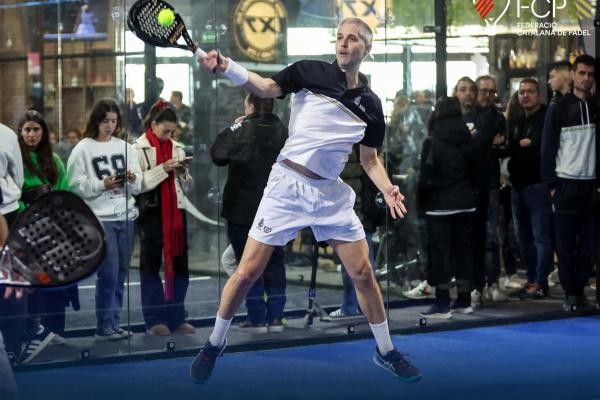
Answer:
(355, 258)
(253, 262)
(251, 267)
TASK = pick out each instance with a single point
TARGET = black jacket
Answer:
(249, 148)
(447, 162)
(488, 122)
(524, 164)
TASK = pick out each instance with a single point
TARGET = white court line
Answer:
(197, 278)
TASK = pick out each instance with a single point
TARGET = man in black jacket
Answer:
(570, 171)
(250, 147)
(484, 126)
(490, 274)
(531, 204)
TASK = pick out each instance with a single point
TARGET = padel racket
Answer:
(55, 242)
(142, 19)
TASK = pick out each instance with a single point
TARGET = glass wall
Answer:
(61, 57)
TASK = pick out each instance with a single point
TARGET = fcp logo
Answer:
(491, 11)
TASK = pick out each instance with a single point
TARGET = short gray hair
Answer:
(364, 30)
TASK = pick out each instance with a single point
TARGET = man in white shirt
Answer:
(332, 110)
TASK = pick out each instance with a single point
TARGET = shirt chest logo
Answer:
(357, 102)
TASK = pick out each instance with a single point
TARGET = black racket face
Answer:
(142, 19)
(57, 241)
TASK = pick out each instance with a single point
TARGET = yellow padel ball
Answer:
(166, 17)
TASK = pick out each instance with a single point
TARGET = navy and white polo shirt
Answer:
(326, 117)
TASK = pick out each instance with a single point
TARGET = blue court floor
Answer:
(547, 360)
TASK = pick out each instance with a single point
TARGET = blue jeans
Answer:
(532, 211)
(272, 282)
(112, 273)
(350, 301)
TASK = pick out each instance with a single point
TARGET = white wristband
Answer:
(236, 73)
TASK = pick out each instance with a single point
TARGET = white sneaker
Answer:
(337, 313)
(486, 295)
(514, 282)
(476, 299)
(495, 294)
(422, 291)
(553, 278)
(58, 340)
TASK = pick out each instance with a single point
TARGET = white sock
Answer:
(217, 337)
(382, 337)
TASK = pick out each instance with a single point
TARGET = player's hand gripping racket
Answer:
(143, 20)
(56, 241)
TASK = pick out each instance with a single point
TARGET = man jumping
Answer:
(333, 109)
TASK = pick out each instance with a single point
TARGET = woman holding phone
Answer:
(104, 171)
(162, 223)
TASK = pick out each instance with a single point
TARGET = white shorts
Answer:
(291, 202)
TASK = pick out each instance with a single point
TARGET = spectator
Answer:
(570, 171)
(530, 197)
(53, 139)
(490, 273)
(8, 386)
(162, 224)
(484, 127)
(510, 250)
(184, 117)
(560, 79)
(424, 104)
(250, 147)
(154, 89)
(407, 132)
(64, 147)
(447, 198)
(13, 309)
(133, 112)
(74, 136)
(104, 170)
(43, 172)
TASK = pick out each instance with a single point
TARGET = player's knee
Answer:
(362, 274)
(246, 276)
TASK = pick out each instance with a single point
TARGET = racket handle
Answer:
(199, 52)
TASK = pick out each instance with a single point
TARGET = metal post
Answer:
(441, 54)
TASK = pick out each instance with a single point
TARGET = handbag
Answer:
(147, 202)
(31, 195)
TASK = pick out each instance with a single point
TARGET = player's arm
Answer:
(240, 76)
(377, 173)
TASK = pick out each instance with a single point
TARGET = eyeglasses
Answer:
(488, 91)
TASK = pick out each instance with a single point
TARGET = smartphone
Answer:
(121, 176)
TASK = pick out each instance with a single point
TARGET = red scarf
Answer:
(172, 220)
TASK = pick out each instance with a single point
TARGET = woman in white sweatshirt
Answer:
(104, 170)
(163, 226)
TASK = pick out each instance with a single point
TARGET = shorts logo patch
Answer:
(262, 227)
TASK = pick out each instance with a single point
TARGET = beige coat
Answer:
(154, 174)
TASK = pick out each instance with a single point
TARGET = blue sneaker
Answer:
(395, 362)
(437, 311)
(204, 362)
